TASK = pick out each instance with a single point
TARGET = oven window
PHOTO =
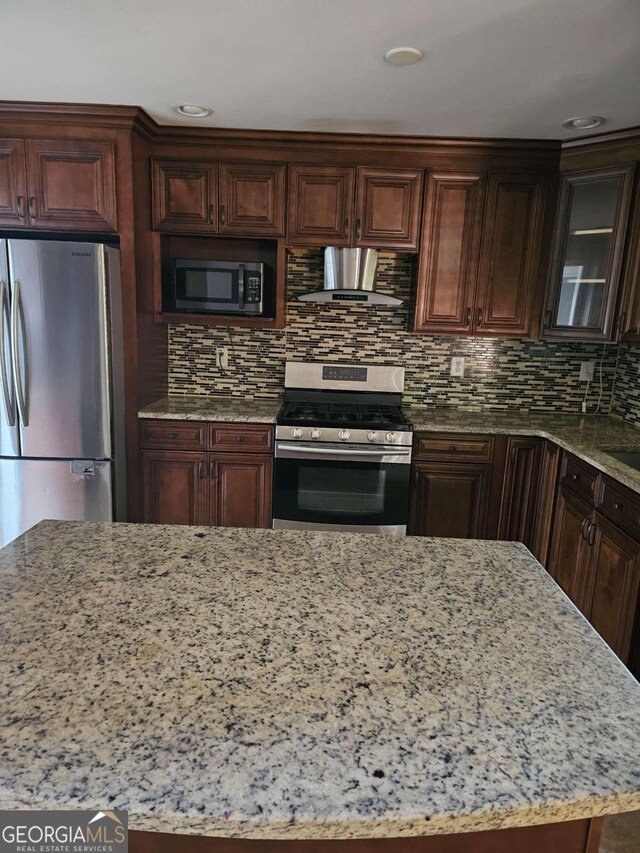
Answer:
(341, 492)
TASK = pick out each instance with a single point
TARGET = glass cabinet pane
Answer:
(593, 211)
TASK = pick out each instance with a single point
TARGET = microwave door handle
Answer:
(241, 286)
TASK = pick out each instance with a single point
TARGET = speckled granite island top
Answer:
(280, 684)
(229, 409)
(588, 437)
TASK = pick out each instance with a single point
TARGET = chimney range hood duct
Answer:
(350, 276)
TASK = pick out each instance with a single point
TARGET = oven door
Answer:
(335, 487)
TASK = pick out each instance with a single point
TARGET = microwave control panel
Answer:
(253, 288)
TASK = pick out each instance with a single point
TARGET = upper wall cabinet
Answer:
(245, 199)
(585, 270)
(341, 206)
(479, 269)
(52, 184)
(13, 183)
(629, 318)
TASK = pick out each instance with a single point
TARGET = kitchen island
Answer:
(255, 685)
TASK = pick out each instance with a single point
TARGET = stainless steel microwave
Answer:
(216, 287)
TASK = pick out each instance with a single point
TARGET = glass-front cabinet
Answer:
(585, 271)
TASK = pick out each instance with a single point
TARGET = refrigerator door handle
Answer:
(7, 395)
(17, 326)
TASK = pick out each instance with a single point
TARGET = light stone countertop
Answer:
(229, 409)
(588, 437)
(286, 684)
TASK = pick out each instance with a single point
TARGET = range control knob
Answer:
(315, 433)
(296, 432)
(344, 434)
(391, 437)
(372, 436)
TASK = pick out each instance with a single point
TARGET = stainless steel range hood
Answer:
(350, 276)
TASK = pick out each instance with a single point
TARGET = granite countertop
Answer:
(588, 436)
(230, 409)
(287, 684)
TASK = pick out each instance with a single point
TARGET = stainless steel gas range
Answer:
(343, 450)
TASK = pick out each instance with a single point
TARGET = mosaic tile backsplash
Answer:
(626, 398)
(499, 374)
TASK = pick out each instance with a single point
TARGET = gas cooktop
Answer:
(349, 414)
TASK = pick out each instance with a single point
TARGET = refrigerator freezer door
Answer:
(34, 489)
(60, 348)
(9, 432)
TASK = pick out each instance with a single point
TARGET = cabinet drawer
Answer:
(172, 435)
(580, 477)
(621, 506)
(248, 438)
(434, 446)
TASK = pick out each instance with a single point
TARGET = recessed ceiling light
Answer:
(403, 55)
(583, 122)
(193, 110)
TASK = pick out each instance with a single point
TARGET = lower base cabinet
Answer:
(520, 490)
(570, 550)
(225, 483)
(450, 499)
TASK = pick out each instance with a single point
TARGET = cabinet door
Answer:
(520, 490)
(240, 490)
(185, 196)
(448, 265)
(251, 199)
(71, 184)
(450, 499)
(613, 602)
(548, 482)
(13, 183)
(388, 208)
(510, 288)
(320, 206)
(590, 231)
(174, 487)
(570, 550)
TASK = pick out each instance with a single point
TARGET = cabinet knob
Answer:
(173, 435)
(223, 214)
(479, 321)
(575, 476)
(32, 207)
(20, 206)
(592, 534)
(469, 316)
(240, 438)
(346, 226)
(211, 212)
(358, 229)
(453, 448)
(618, 507)
(547, 320)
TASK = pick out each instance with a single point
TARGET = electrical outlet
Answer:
(587, 371)
(457, 365)
(222, 358)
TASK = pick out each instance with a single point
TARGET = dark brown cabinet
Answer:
(629, 317)
(251, 199)
(569, 560)
(520, 490)
(342, 206)
(174, 487)
(58, 184)
(320, 206)
(185, 196)
(449, 252)
(612, 596)
(450, 499)
(71, 184)
(480, 263)
(388, 208)
(229, 486)
(585, 272)
(547, 484)
(13, 183)
(510, 287)
(240, 490)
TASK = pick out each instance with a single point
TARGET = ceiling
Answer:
(512, 68)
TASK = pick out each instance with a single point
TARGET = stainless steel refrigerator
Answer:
(61, 384)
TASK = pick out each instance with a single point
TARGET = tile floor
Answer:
(621, 834)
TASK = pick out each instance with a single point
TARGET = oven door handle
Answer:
(295, 451)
